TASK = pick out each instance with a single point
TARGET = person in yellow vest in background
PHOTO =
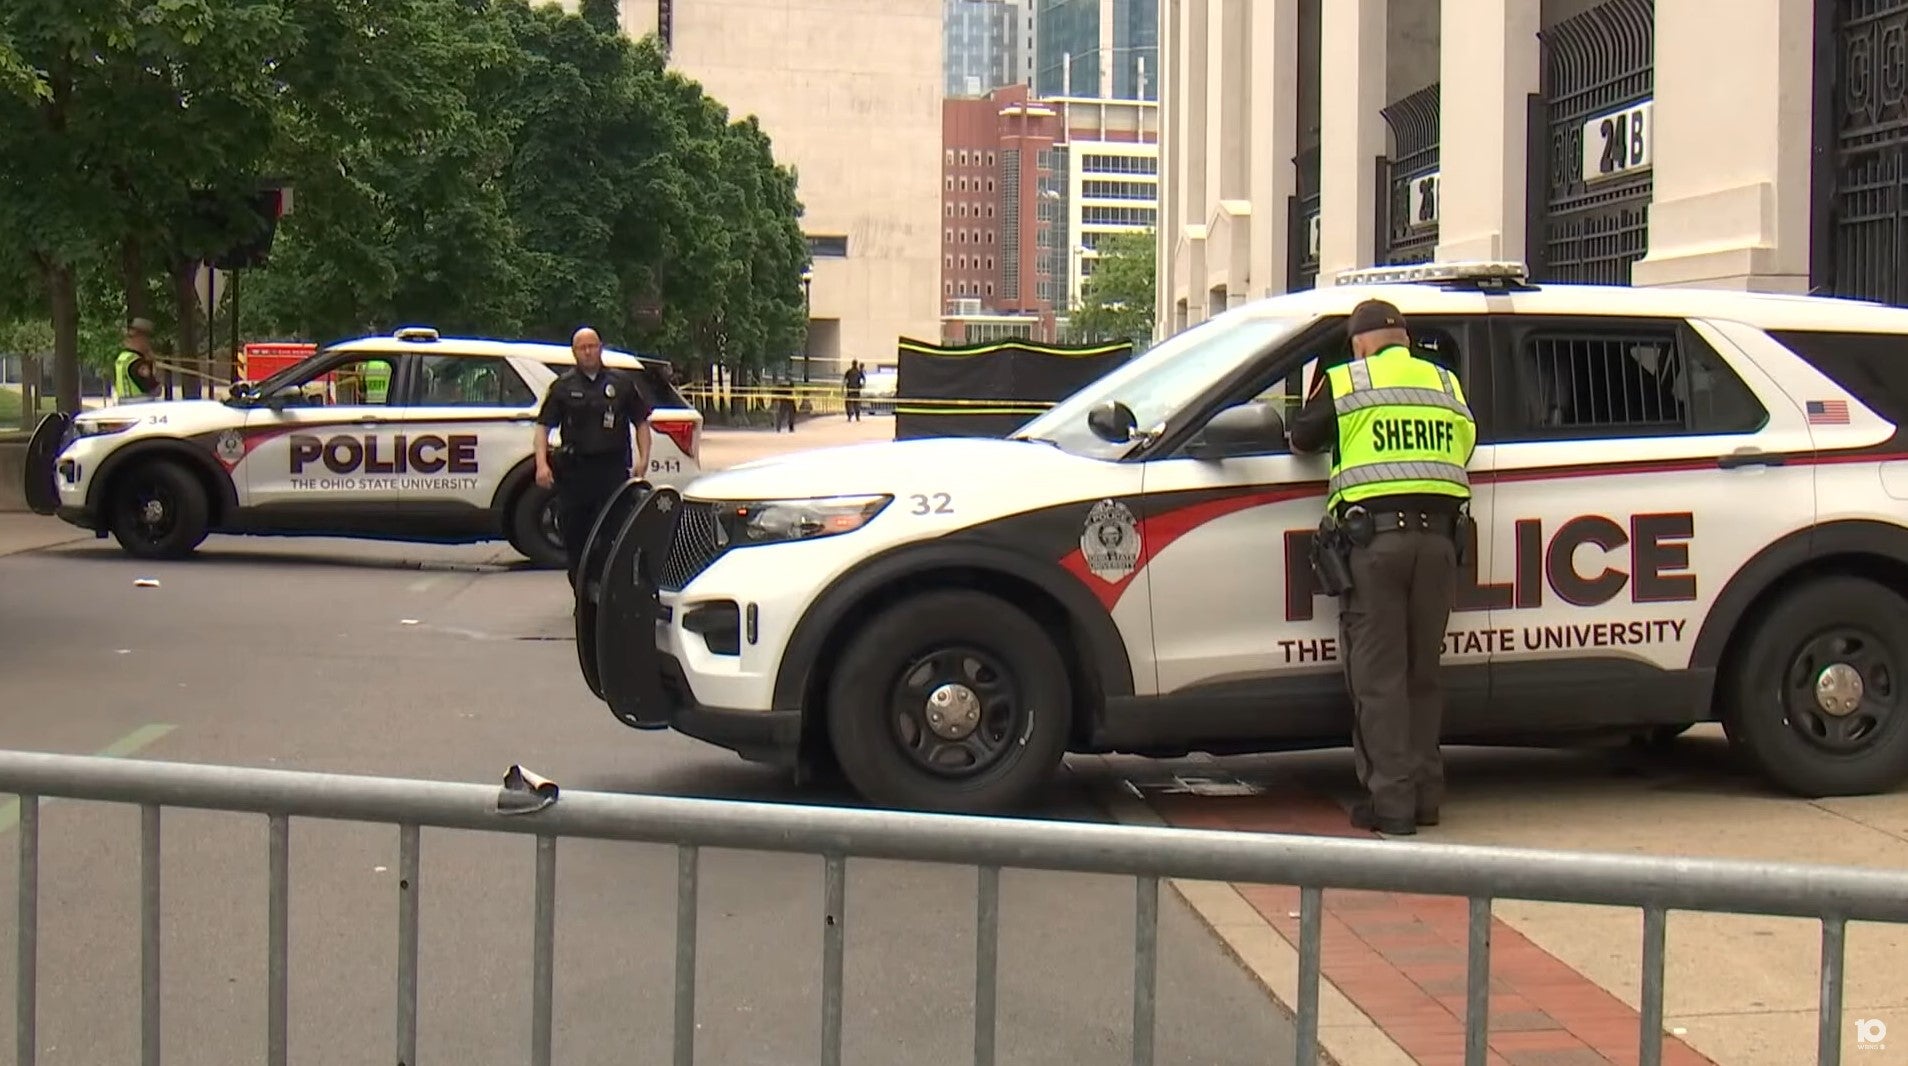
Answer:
(135, 377)
(377, 381)
(1398, 520)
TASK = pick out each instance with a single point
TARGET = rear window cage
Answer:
(1584, 380)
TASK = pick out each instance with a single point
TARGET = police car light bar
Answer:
(416, 333)
(1505, 271)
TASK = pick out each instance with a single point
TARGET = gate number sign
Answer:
(1617, 144)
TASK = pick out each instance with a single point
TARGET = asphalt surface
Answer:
(451, 664)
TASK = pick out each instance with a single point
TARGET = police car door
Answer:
(1246, 644)
(469, 423)
(1629, 493)
(317, 453)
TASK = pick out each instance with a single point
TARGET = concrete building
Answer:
(1757, 144)
(849, 91)
(983, 41)
(1019, 217)
(1107, 49)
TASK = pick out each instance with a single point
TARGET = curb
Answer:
(1347, 1036)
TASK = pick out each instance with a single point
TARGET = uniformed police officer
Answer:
(1401, 436)
(595, 407)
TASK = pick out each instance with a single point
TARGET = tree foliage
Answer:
(1116, 302)
(482, 166)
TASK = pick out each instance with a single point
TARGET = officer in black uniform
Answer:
(595, 407)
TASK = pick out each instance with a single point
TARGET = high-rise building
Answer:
(848, 94)
(982, 40)
(1028, 189)
(1097, 48)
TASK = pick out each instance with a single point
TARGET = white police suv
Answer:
(1691, 505)
(412, 437)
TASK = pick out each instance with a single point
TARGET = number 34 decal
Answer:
(932, 503)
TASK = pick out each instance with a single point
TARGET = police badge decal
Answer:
(1111, 541)
(230, 448)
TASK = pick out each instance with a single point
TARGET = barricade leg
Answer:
(407, 946)
(149, 934)
(986, 963)
(1311, 914)
(1477, 1006)
(1145, 967)
(27, 937)
(277, 970)
(686, 901)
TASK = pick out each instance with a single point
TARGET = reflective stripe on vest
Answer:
(1364, 469)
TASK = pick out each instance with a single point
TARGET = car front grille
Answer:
(697, 544)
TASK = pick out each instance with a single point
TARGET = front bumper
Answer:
(772, 737)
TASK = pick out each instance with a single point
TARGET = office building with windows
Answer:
(983, 45)
(850, 97)
(1029, 186)
(1097, 48)
(1601, 141)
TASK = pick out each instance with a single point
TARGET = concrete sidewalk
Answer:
(1739, 990)
(24, 531)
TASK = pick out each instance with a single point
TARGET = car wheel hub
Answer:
(1838, 690)
(953, 711)
(152, 512)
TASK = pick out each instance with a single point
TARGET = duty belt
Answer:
(1362, 523)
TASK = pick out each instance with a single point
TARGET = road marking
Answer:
(424, 584)
(139, 738)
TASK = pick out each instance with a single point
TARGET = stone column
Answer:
(1273, 115)
(1730, 150)
(1352, 131)
(1491, 64)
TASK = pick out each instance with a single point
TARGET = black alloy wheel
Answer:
(956, 711)
(1815, 697)
(949, 700)
(158, 511)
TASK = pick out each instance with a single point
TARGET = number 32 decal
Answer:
(936, 503)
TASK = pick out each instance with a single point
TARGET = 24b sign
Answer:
(1620, 143)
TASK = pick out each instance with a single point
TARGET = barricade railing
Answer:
(525, 804)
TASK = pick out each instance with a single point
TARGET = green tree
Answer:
(603, 16)
(1116, 302)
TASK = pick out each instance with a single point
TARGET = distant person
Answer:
(135, 375)
(596, 408)
(852, 383)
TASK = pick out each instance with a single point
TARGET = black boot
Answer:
(1364, 817)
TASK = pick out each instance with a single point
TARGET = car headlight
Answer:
(777, 521)
(100, 427)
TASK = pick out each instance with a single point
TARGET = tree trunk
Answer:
(187, 300)
(30, 370)
(132, 276)
(62, 292)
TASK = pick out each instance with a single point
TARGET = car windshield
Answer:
(1160, 383)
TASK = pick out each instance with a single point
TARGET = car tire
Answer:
(1850, 740)
(533, 530)
(1009, 676)
(158, 510)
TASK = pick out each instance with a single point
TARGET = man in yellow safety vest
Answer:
(1397, 516)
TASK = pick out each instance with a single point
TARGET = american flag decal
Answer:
(1828, 412)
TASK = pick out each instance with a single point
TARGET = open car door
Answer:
(43, 450)
(628, 668)
(589, 577)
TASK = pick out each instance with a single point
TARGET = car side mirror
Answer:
(1247, 429)
(1113, 422)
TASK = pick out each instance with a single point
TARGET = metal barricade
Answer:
(1833, 895)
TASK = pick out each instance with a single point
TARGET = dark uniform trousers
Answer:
(584, 484)
(1391, 625)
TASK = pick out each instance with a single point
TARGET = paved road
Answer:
(297, 654)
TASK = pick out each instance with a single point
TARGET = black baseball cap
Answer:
(1373, 315)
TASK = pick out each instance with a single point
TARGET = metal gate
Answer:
(1409, 220)
(1598, 79)
(1865, 117)
(1302, 220)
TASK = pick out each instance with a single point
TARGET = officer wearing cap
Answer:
(1400, 437)
(595, 408)
(134, 375)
